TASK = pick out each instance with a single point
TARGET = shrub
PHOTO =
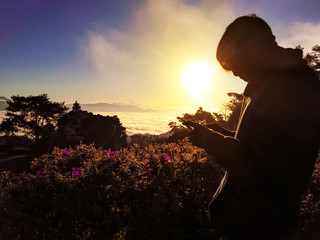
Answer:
(82, 126)
(160, 191)
(310, 209)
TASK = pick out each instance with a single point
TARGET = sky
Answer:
(132, 51)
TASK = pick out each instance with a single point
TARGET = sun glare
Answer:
(196, 78)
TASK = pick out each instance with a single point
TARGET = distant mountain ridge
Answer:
(95, 107)
(112, 107)
(2, 98)
(3, 103)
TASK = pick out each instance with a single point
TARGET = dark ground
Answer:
(15, 154)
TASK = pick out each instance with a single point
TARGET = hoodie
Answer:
(270, 160)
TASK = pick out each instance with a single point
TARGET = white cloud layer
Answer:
(301, 33)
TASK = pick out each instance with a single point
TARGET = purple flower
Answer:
(111, 153)
(75, 171)
(149, 172)
(40, 174)
(65, 153)
(167, 158)
(309, 198)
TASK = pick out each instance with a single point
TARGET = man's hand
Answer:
(199, 134)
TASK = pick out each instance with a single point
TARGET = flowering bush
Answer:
(160, 191)
(310, 209)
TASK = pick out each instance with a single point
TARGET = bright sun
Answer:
(196, 78)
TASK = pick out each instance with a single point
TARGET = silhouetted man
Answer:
(270, 158)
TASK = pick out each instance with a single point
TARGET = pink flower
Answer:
(111, 153)
(40, 174)
(149, 170)
(309, 198)
(167, 158)
(75, 171)
(65, 153)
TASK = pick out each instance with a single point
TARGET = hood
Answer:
(271, 61)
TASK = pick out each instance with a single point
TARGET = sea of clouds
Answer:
(144, 122)
(139, 122)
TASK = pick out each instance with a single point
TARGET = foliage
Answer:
(233, 106)
(227, 120)
(146, 139)
(35, 116)
(313, 58)
(310, 209)
(80, 126)
(76, 107)
(160, 191)
(201, 116)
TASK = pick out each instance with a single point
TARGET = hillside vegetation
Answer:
(160, 191)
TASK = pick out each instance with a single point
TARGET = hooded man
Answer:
(270, 158)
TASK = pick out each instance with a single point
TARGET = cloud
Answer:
(305, 34)
(159, 41)
(104, 54)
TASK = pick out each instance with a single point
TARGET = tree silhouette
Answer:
(228, 119)
(76, 107)
(225, 122)
(81, 126)
(313, 58)
(200, 116)
(233, 107)
(34, 116)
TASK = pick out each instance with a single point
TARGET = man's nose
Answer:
(235, 73)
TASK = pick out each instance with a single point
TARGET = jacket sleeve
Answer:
(225, 149)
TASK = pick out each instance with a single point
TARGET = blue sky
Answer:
(44, 34)
(131, 51)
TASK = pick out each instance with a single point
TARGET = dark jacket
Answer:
(270, 160)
